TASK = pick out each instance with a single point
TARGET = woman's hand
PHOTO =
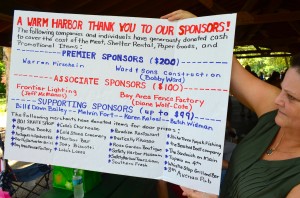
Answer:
(196, 194)
(177, 15)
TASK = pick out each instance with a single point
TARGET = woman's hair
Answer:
(295, 62)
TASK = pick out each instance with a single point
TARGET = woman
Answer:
(266, 163)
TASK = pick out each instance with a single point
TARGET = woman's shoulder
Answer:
(265, 121)
(264, 130)
(268, 115)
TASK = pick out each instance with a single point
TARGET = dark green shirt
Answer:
(249, 176)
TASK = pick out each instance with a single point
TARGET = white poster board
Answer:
(132, 96)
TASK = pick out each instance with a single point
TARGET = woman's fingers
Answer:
(177, 15)
(174, 14)
(196, 194)
(191, 193)
(167, 16)
(186, 191)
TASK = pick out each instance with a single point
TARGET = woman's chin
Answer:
(279, 121)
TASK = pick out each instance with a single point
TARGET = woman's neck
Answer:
(291, 139)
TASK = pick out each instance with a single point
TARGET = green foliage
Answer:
(2, 72)
(2, 105)
(2, 67)
(266, 65)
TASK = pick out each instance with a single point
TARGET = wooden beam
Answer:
(295, 26)
(269, 42)
(77, 5)
(5, 17)
(249, 5)
(105, 7)
(254, 51)
(244, 18)
(214, 7)
(7, 27)
(259, 56)
(5, 39)
(263, 52)
(271, 8)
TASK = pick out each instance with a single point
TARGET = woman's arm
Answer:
(295, 192)
(225, 164)
(254, 93)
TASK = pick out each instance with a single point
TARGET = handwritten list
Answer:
(133, 96)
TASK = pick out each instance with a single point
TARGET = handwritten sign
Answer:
(133, 96)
